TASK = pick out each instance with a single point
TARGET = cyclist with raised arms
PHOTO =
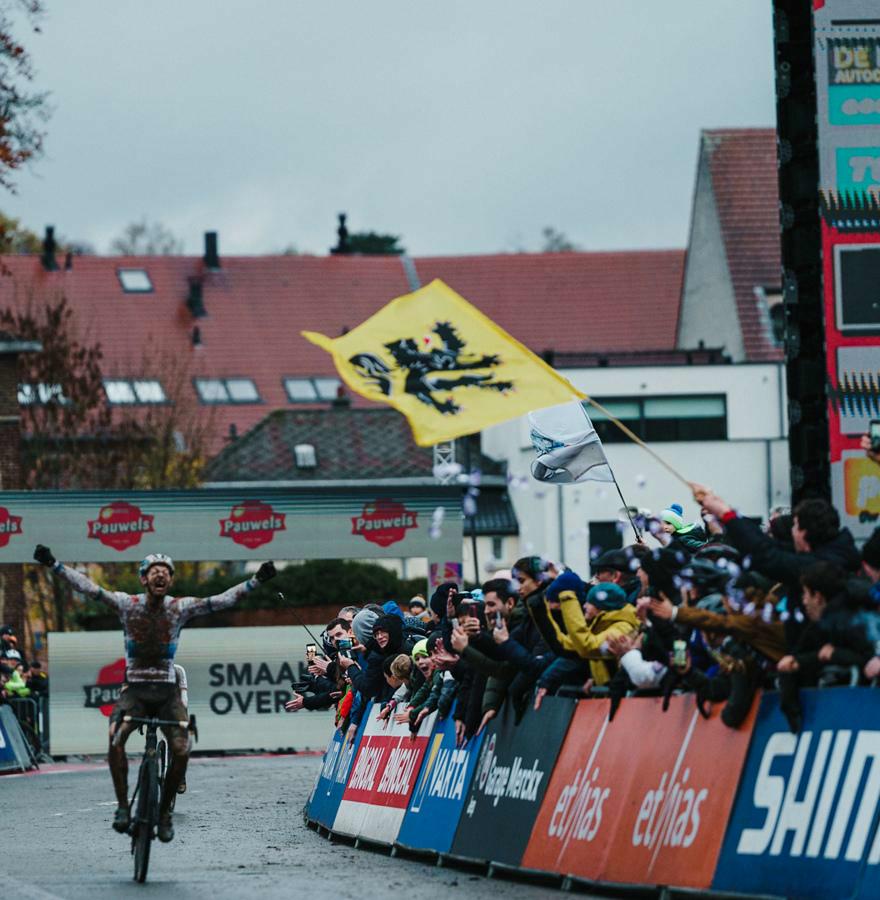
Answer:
(151, 622)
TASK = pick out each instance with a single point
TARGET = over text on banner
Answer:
(438, 798)
(805, 819)
(335, 768)
(511, 777)
(624, 808)
(382, 778)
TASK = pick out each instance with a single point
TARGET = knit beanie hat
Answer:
(607, 596)
(674, 515)
(439, 597)
(362, 625)
(420, 649)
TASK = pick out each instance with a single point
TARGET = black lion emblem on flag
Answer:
(422, 367)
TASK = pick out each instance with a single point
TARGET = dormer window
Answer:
(133, 391)
(311, 390)
(227, 390)
(135, 281)
(305, 456)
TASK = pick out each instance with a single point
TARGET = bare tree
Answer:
(147, 239)
(556, 242)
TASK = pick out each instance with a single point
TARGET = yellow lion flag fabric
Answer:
(448, 368)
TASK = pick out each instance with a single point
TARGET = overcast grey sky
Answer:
(465, 126)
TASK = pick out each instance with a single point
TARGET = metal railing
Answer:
(32, 714)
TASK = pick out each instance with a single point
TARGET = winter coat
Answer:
(586, 638)
(768, 638)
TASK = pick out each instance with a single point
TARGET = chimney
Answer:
(212, 254)
(68, 261)
(342, 245)
(47, 258)
(196, 336)
(194, 300)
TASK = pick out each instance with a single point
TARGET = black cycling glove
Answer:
(265, 572)
(43, 555)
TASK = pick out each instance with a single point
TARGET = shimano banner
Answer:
(805, 819)
(438, 799)
(382, 778)
(511, 778)
(622, 809)
(335, 769)
(239, 680)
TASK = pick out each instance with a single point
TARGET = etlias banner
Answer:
(623, 808)
(382, 778)
(438, 798)
(238, 680)
(806, 815)
(511, 778)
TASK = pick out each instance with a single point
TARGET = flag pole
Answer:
(635, 529)
(634, 437)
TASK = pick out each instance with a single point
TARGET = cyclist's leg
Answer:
(180, 672)
(178, 745)
(127, 704)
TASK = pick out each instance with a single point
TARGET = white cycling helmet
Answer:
(155, 559)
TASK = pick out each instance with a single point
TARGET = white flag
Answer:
(568, 448)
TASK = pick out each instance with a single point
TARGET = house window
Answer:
(311, 390)
(40, 393)
(686, 417)
(305, 456)
(227, 390)
(134, 281)
(497, 547)
(129, 391)
(604, 536)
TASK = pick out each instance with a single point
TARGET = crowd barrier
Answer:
(15, 752)
(652, 798)
(33, 717)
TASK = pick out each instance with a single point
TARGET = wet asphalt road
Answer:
(239, 834)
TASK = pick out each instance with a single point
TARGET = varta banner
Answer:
(438, 798)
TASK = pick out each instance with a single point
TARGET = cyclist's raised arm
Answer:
(79, 582)
(202, 606)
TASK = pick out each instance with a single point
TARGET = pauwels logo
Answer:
(9, 525)
(105, 692)
(252, 523)
(120, 525)
(513, 782)
(384, 522)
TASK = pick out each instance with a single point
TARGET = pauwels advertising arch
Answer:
(238, 678)
(232, 524)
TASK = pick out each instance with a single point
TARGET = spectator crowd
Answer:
(719, 608)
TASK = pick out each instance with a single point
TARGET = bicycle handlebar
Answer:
(140, 720)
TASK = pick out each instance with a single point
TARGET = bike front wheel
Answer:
(146, 820)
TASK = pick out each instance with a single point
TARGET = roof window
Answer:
(130, 391)
(135, 281)
(305, 456)
(311, 390)
(227, 390)
(40, 394)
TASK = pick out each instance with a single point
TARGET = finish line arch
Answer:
(318, 522)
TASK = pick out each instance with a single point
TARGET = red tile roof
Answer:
(742, 163)
(256, 307)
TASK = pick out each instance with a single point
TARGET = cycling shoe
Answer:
(121, 820)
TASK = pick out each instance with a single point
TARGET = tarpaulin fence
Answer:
(650, 798)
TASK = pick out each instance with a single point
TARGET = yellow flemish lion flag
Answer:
(443, 364)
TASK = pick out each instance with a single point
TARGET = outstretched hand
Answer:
(43, 555)
(265, 572)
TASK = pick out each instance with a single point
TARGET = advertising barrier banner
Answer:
(335, 768)
(510, 781)
(382, 778)
(13, 749)
(238, 678)
(805, 820)
(643, 799)
(438, 798)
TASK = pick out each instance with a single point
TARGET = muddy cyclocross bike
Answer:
(144, 806)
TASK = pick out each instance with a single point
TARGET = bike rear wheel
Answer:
(146, 819)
